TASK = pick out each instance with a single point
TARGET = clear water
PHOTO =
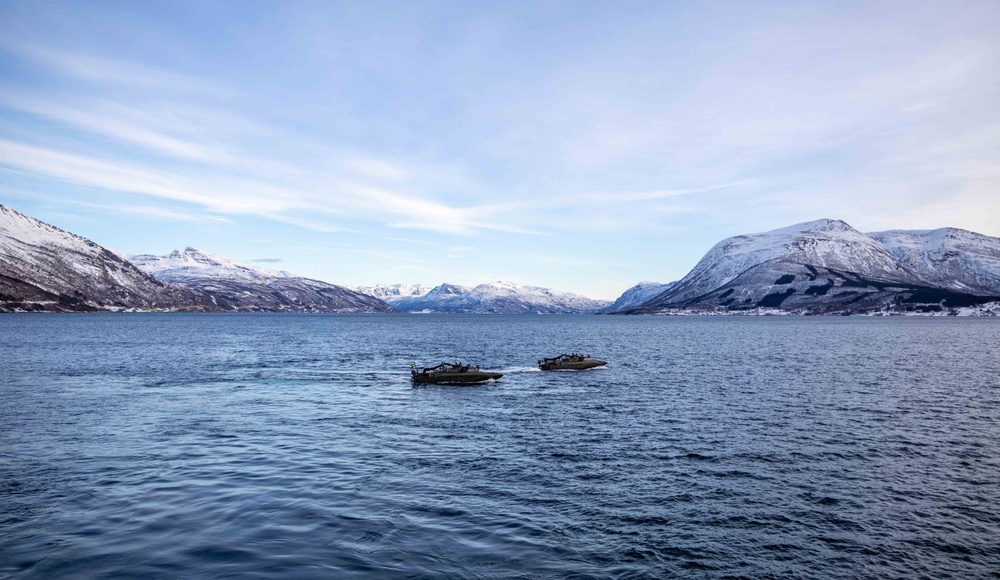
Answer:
(264, 446)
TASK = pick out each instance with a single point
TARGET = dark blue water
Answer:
(294, 446)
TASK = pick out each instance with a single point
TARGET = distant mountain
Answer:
(438, 299)
(637, 296)
(827, 266)
(45, 268)
(193, 264)
(235, 286)
(392, 293)
(499, 298)
(951, 258)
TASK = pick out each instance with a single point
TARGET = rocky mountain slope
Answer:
(951, 258)
(235, 286)
(499, 298)
(45, 268)
(637, 296)
(827, 266)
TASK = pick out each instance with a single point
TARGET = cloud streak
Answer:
(108, 70)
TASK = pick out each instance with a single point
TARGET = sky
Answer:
(582, 146)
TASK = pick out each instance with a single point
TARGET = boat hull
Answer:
(572, 365)
(467, 378)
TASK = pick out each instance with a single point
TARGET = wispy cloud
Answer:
(155, 212)
(386, 197)
(114, 126)
(107, 70)
(163, 213)
(221, 196)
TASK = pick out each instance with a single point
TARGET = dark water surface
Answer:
(265, 446)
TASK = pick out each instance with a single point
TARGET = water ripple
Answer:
(259, 446)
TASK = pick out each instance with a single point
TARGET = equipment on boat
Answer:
(576, 362)
(452, 374)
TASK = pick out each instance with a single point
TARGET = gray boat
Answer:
(452, 374)
(574, 362)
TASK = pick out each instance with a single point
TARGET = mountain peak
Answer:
(501, 284)
(389, 292)
(824, 243)
(180, 266)
(448, 289)
(820, 225)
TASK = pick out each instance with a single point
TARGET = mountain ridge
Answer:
(499, 298)
(827, 266)
(391, 292)
(637, 296)
(954, 258)
(239, 287)
(46, 268)
(818, 267)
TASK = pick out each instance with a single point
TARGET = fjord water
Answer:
(266, 446)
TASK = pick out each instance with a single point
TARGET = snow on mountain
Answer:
(638, 295)
(193, 264)
(499, 298)
(814, 267)
(438, 299)
(236, 286)
(823, 243)
(392, 293)
(961, 260)
(45, 268)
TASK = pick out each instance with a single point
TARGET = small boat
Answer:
(453, 374)
(575, 362)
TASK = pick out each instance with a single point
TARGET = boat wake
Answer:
(513, 370)
(348, 371)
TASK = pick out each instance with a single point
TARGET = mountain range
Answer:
(392, 292)
(496, 298)
(44, 268)
(826, 266)
(234, 286)
(819, 267)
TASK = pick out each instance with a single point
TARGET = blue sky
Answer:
(581, 146)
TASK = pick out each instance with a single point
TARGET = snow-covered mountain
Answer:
(951, 258)
(499, 298)
(823, 243)
(638, 295)
(45, 268)
(193, 264)
(436, 300)
(235, 286)
(822, 266)
(392, 293)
